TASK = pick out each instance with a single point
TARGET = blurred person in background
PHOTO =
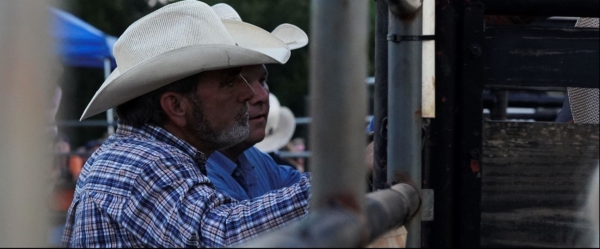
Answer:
(297, 145)
(77, 161)
(279, 130)
(243, 171)
(180, 94)
(395, 238)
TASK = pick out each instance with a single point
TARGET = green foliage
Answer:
(288, 82)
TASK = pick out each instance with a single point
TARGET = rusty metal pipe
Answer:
(338, 102)
(404, 96)
(390, 208)
(339, 227)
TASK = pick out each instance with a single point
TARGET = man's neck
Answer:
(234, 152)
(189, 138)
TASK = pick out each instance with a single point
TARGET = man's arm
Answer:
(279, 176)
(190, 212)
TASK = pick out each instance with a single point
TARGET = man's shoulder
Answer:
(130, 159)
(258, 158)
(256, 153)
(138, 149)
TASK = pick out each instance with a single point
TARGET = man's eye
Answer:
(231, 81)
(263, 81)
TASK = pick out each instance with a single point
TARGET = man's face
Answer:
(220, 110)
(259, 105)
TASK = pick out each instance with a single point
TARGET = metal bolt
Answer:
(475, 51)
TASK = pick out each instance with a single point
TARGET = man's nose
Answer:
(261, 95)
(246, 93)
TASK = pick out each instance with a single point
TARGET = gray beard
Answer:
(223, 139)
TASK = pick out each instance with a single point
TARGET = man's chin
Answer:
(235, 136)
(255, 137)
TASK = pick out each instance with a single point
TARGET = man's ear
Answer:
(176, 107)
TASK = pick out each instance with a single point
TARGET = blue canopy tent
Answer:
(80, 44)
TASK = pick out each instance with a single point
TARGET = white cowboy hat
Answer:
(280, 127)
(290, 34)
(584, 101)
(179, 40)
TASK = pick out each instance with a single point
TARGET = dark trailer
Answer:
(486, 176)
(498, 182)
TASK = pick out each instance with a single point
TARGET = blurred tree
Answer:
(289, 82)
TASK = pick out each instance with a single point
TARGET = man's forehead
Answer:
(225, 72)
(256, 69)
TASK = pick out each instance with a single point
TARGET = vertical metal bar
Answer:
(109, 112)
(381, 97)
(338, 55)
(441, 232)
(470, 126)
(404, 135)
(428, 61)
(25, 146)
(498, 111)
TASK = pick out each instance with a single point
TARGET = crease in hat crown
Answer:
(179, 40)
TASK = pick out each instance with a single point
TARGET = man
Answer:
(243, 171)
(179, 95)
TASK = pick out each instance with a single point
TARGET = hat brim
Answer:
(166, 68)
(245, 35)
(290, 34)
(282, 135)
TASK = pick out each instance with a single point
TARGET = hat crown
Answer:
(280, 126)
(273, 116)
(178, 25)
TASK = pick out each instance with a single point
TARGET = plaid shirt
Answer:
(144, 187)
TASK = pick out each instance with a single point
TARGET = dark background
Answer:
(288, 82)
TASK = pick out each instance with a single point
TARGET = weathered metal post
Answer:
(442, 142)
(405, 75)
(340, 215)
(338, 56)
(25, 146)
(381, 97)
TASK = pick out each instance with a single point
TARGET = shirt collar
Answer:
(153, 132)
(224, 162)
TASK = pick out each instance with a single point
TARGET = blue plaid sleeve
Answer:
(146, 188)
(191, 213)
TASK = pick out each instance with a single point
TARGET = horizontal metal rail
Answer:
(526, 100)
(576, 8)
(338, 227)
